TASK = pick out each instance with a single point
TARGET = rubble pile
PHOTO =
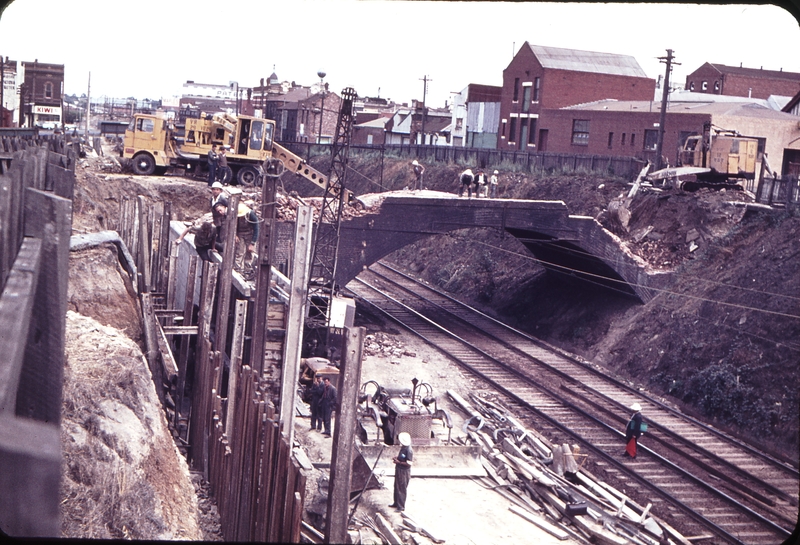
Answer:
(548, 486)
(381, 344)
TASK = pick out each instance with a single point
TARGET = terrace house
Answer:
(540, 77)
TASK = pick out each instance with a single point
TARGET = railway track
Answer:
(701, 480)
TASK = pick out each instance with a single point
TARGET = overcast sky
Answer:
(149, 48)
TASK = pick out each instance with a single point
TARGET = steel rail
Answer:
(699, 518)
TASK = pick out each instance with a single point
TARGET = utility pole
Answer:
(88, 107)
(425, 81)
(2, 86)
(664, 96)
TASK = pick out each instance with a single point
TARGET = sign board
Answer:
(343, 312)
(47, 110)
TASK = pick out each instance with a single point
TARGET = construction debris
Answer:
(548, 486)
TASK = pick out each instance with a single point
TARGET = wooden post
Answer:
(344, 434)
(143, 263)
(266, 252)
(294, 330)
(183, 355)
(225, 278)
(236, 362)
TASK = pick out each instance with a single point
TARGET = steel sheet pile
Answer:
(548, 487)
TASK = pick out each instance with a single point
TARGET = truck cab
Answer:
(146, 143)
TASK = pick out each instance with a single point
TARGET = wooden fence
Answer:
(221, 410)
(36, 185)
(781, 192)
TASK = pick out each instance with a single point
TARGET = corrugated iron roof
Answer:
(587, 61)
(754, 72)
(743, 109)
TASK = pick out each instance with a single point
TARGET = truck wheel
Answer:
(247, 175)
(144, 165)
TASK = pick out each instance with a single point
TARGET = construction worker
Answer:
(317, 389)
(402, 471)
(327, 403)
(634, 430)
(213, 161)
(419, 170)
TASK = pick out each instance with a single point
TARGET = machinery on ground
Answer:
(718, 158)
(154, 143)
(389, 411)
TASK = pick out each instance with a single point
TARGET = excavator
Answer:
(717, 159)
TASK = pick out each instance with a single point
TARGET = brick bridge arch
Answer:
(576, 245)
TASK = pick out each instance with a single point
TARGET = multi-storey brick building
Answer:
(40, 94)
(541, 77)
(719, 79)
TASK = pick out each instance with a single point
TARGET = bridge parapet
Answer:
(563, 243)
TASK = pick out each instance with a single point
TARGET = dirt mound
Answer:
(123, 475)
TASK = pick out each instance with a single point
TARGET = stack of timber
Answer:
(548, 487)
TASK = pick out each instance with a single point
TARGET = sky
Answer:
(149, 49)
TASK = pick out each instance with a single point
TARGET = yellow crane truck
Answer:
(155, 143)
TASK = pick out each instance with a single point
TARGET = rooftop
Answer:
(587, 61)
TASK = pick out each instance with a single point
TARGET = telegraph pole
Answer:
(425, 81)
(2, 85)
(664, 96)
(88, 107)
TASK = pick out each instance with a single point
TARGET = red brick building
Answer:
(541, 77)
(619, 128)
(40, 94)
(719, 79)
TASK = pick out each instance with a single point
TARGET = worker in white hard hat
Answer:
(419, 170)
(402, 471)
(636, 427)
(493, 185)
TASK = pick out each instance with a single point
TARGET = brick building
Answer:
(615, 128)
(720, 79)
(40, 94)
(541, 77)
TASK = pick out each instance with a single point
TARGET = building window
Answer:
(526, 98)
(536, 84)
(512, 133)
(650, 139)
(146, 125)
(580, 132)
(516, 90)
(532, 133)
(691, 86)
(459, 123)
(369, 139)
(48, 90)
(704, 86)
(610, 140)
(633, 139)
(503, 133)
(622, 142)
(716, 86)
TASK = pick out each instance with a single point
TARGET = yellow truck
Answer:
(155, 143)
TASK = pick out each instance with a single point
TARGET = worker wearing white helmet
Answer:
(419, 170)
(636, 427)
(402, 471)
(493, 185)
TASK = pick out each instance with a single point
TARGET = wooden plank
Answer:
(240, 319)
(554, 531)
(30, 473)
(143, 261)
(16, 309)
(226, 275)
(169, 367)
(265, 249)
(293, 345)
(48, 217)
(180, 329)
(344, 435)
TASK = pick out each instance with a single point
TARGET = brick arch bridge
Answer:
(575, 245)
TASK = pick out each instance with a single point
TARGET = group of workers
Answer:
(208, 231)
(484, 187)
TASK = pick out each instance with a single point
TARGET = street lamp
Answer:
(321, 74)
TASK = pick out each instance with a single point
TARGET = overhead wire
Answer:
(608, 279)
